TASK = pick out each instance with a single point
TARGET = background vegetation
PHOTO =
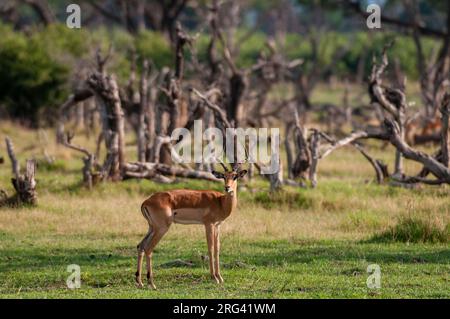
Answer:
(296, 243)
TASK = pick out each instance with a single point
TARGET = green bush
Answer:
(30, 79)
(154, 46)
(59, 40)
(414, 230)
(249, 50)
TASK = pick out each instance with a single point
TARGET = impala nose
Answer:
(227, 189)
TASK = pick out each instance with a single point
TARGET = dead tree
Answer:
(24, 184)
(392, 101)
(107, 94)
(319, 145)
(237, 81)
(143, 108)
(79, 95)
(76, 97)
(302, 161)
(175, 102)
(434, 70)
(91, 175)
(445, 147)
(140, 106)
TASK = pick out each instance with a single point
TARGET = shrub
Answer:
(154, 46)
(414, 230)
(29, 78)
(59, 40)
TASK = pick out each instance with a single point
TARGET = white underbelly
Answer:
(188, 216)
(186, 221)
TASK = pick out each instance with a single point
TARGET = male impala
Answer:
(206, 207)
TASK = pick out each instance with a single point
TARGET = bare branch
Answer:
(433, 165)
(12, 156)
(214, 107)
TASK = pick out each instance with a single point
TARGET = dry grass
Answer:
(346, 205)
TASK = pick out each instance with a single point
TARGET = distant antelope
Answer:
(422, 130)
(183, 206)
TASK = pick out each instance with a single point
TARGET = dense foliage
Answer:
(29, 78)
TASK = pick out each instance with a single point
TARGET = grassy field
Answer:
(301, 243)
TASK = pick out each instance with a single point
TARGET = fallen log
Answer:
(152, 170)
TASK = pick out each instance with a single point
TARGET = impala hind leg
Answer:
(140, 248)
(155, 238)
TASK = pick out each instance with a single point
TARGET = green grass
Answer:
(252, 269)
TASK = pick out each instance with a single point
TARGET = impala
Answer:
(183, 206)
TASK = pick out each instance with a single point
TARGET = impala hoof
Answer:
(152, 286)
(214, 278)
(139, 285)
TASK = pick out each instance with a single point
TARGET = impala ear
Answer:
(217, 174)
(242, 173)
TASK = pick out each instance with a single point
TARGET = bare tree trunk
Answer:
(445, 147)
(25, 185)
(288, 148)
(120, 125)
(398, 170)
(314, 148)
(276, 179)
(79, 120)
(303, 159)
(393, 101)
(107, 93)
(143, 107)
(152, 121)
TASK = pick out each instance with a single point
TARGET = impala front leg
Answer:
(216, 254)
(210, 241)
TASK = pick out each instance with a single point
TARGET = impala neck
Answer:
(230, 201)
